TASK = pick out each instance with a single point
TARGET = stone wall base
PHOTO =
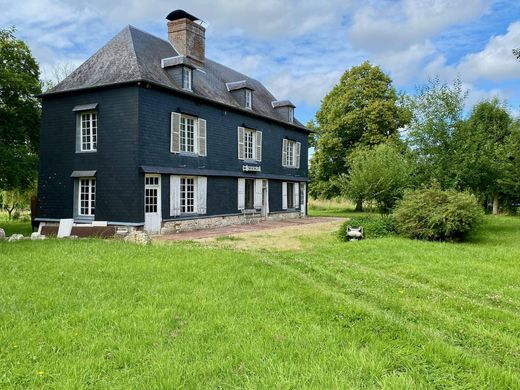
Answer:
(172, 227)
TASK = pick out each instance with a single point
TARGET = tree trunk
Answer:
(359, 205)
(495, 204)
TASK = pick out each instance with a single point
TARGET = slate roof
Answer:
(135, 55)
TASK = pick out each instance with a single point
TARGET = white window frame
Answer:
(252, 134)
(152, 182)
(182, 194)
(187, 78)
(290, 156)
(249, 99)
(291, 114)
(90, 194)
(90, 145)
(183, 146)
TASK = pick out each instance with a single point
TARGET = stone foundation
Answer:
(172, 227)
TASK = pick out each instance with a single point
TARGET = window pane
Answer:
(187, 195)
(87, 197)
(249, 144)
(187, 136)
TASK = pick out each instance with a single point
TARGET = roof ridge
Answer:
(129, 27)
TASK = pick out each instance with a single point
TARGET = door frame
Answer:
(150, 225)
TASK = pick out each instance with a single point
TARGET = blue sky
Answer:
(299, 49)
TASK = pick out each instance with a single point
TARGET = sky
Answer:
(300, 49)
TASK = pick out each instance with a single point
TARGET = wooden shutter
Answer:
(303, 191)
(298, 147)
(296, 195)
(258, 194)
(240, 143)
(284, 152)
(284, 195)
(241, 194)
(175, 196)
(258, 146)
(175, 130)
(202, 137)
(202, 185)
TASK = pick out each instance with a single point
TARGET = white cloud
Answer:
(382, 26)
(496, 61)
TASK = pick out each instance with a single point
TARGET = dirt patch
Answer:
(277, 235)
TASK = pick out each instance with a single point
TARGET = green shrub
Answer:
(374, 226)
(434, 214)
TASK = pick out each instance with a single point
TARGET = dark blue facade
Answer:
(134, 136)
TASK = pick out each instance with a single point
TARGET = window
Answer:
(291, 153)
(187, 195)
(291, 114)
(187, 134)
(249, 195)
(87, 197)
(290, 198)
(88, 131)
(290, 195)
(187, 77)
(249, 144)
(151, 194)
(249, 98)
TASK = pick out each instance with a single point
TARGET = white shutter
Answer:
(284, 152)
(284, 195)
(241, 194)
(258, 146)
(303, 196)
(258, 193)
(296, 195)
(240, 143)
(175, 196)
(175, 132)
(202, 137)
(298, 147)
(202, 185)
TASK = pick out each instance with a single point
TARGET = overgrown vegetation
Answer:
(374, 226)
(434, 214)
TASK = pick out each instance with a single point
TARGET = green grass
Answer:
(382, 313)
(16, 227)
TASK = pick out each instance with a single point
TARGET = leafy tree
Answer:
(437, 111)
(479, 151)
(16, 199)
(361, 110)
(516, 53)
(380, 174)
(19, 113)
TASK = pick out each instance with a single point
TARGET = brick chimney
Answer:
(187, 36)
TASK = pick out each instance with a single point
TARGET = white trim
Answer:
(257, 202)
(153, 219)
(175, 198)
(187, 71)
(248, 99)
(284, 195)
(241, 194)
(202, 183)
(91, 143)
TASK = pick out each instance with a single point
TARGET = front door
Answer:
(152, 204)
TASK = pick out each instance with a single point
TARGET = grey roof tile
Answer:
(134, 55)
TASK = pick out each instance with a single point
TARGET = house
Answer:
(149, 133)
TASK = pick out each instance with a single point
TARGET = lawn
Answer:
(380, 313)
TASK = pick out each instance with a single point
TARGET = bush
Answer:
(374, 226)
(434, 214)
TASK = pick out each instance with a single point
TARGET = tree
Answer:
(19, 113)
(516, 53)
(16, 199)
(380, 174)
(361, 110)
(479, 154)
(437, 111)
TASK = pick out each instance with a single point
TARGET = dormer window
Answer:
(187, 78)
(285, 108)
(249, 99)
(291, 115)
